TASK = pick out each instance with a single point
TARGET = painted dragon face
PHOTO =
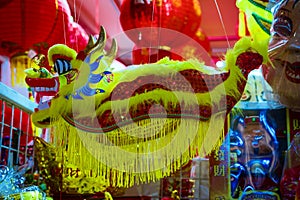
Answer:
(284, 53)
(59, 84)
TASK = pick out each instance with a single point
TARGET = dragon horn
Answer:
(101, 39)
(99, 46)
(113, 50)
(92, 44)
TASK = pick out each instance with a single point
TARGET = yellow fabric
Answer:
(108, 196)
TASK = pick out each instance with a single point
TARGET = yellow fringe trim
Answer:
(139, 152)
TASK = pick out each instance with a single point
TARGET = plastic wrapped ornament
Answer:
(283, 74)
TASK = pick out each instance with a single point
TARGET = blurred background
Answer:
(218, 21)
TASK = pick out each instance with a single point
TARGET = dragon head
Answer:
(71, 73)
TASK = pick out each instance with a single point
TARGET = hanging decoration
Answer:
(18, 63)
(283, 73)
(196, 46)
(148, 23)
(164, 29)
(159, 30)
(118, 126)
(201, 37)
(31, 25)
(143, 55)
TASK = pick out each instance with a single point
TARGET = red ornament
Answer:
(247, 60)
(38, 25)
(201, 38)
(157, 22)
(143, 55)
(197, 46)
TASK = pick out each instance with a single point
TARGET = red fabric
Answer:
(179, 16)
(38, 25)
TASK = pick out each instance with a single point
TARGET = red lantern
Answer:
(37, 25)
(196, 46)
(158, 22)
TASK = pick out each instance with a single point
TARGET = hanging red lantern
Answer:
(25, 23)
(197, 46)
(36, 25)
(157, 22)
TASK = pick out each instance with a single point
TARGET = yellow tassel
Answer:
(127, 158)
(108, 196)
